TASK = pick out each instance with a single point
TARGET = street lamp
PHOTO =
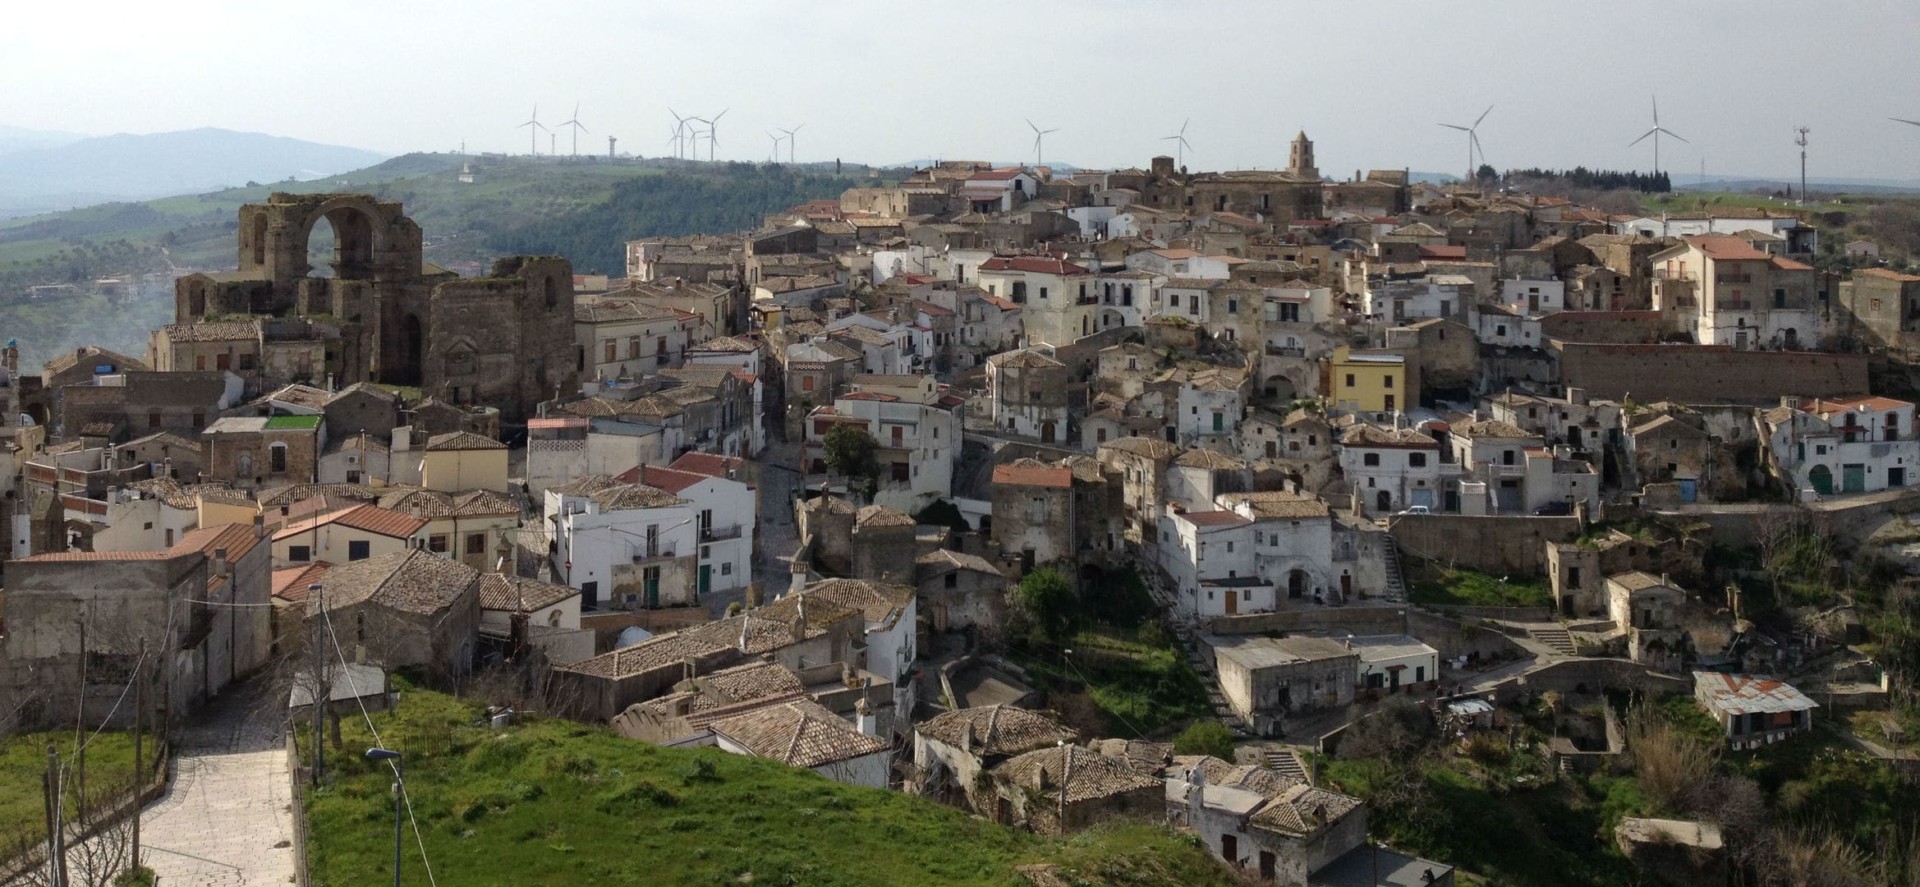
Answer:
(399, 766)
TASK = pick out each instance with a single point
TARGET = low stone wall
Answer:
(1347, 620)
(1455, 639)
(1590, 676)
(1504, 614)
(1500, 544)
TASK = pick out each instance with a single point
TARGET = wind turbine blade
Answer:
(1030, 125)
(1674, 134)
(1656, 111)
(1050, 130)
(796, 129)
(1452, 126)
(1183, 125)
(1905, 120)
(716, 117)
(1184, 143)
(1483, 116)
(1643, 137)
(1475, 139)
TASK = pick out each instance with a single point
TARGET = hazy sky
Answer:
(891, 80)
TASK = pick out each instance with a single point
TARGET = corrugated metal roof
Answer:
(1744, 694)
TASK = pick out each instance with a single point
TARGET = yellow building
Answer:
(461, 460)
(1367, 381)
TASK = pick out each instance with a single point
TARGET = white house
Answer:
(1532, 298)
(726, 513)
(1394, 663)
(1437, 295)
(623, 544)
(1390, 470)
(1855, 445)
(917, 423)
(1251, 554)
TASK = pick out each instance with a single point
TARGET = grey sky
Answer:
(891, 80)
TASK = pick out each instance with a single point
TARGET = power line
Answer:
(326, 616)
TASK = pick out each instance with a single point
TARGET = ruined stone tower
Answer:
(502, 341)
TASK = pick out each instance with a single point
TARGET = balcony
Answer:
(1284, 351)
(719, 534)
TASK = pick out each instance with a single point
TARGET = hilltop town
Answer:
(1342, 530)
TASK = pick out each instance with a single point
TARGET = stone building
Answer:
(504, 340)
(1883, 305)
(1253, 818)
(953, 750)
(259, 453)
(1066, 788)
(403, 608)
(959, 591)
(1034, 514)
(1028, 390)
(200, 606)
(1267, 679)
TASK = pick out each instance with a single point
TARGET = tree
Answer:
(1208, 737)
(1486, 173)
(1049, 601)
(850, 451)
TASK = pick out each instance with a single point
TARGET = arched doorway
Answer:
(1822, 479)
(1297, 582)
(1280, 388)
(340, 244)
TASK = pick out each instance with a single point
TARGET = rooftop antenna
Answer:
(1801, 140)
(578, 128)
(1179, 140)
(533, 127)
(1039, 137)
(1656, 132)
(790, 133)
(1473, 141)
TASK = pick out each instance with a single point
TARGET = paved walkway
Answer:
(227, 819)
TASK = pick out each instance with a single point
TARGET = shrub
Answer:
(1206, 737)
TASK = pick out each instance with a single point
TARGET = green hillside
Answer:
(583, 208)
(555, 802)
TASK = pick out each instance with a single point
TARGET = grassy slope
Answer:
(23, 761)
(552, 802)
(1140, 688)
(1437, 584)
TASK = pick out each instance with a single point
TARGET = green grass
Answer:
(23, 762)
(1492, 824)
(554, 802)
(1141, 683)
(1437, 584)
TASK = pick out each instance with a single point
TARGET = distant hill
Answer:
(136, 167)
(14, 139)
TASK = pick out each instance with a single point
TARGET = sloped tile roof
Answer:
(801, 733)
(517, 594)
(411, 581)
(997, 730)
(1087, 774)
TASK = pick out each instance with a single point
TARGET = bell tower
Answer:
(1300, 159)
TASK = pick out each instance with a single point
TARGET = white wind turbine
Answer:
(1656, 132)
(1039, 137)
(1180, 146)
(1473, 141)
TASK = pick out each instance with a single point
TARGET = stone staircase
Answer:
(1556, 639)
(1286, 762)
(1396, 589)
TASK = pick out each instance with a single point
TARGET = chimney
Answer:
(220, 562)
(869, 725)
(799, 623)
(259, 525)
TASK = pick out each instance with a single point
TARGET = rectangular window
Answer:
(1349, 380)
(901, 473)
(153, 419)
(359, 550)
(299, 554)
(1370, 459)
(613, 351)
(200, 360)
(437, 543)
(476, 543)
(1417, 460)
(223, 361)
(1387, 382)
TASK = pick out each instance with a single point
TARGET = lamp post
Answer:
(399, 767)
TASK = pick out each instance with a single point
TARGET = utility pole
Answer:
(320, 692)
(80, 719)
(56, 860)
(1802, 142)
(139, 763)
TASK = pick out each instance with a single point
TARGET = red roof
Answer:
(568, 422)
(1033, 264)
(1726, 248)
(709, 464)
(1890, 274)
(668, 479)
(371, 518)
(1213, 518)
(1033, 476)
(996, 175)
(1790, 265)
(291, 583)
(1443, 252)
(236, 539)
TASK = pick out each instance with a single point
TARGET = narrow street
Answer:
(227, 818)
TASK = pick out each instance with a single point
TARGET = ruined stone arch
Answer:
(357, 237)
